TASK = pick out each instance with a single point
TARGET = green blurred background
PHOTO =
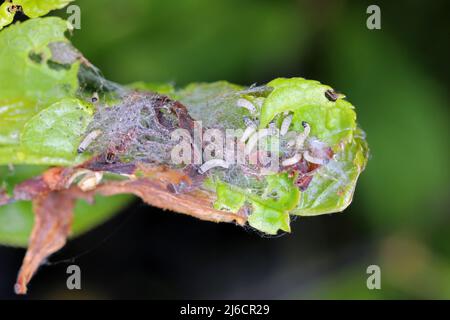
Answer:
(398, 79)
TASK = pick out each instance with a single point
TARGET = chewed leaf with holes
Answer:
(32, 8)
(323, 185)
(6, 14)
(38, 8)
(41, 122)
(332, 122)
(332, 119)
(30, 80)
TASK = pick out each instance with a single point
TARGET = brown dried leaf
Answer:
(53, 220)
(54, 200)
(196, 203)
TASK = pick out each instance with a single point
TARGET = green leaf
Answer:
(30, 81)
(228, 199)
(269, 220)
(6, 14)
(270, 208)
(333, 122)
(332, 187)
(38, 8)
(56, 131)
(32, 8)
(330, 121)
(52, 136)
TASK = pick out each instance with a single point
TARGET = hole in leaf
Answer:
(57, 66)
(35, 57)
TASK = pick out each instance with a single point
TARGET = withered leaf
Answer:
(52, 224)
(54, 201)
